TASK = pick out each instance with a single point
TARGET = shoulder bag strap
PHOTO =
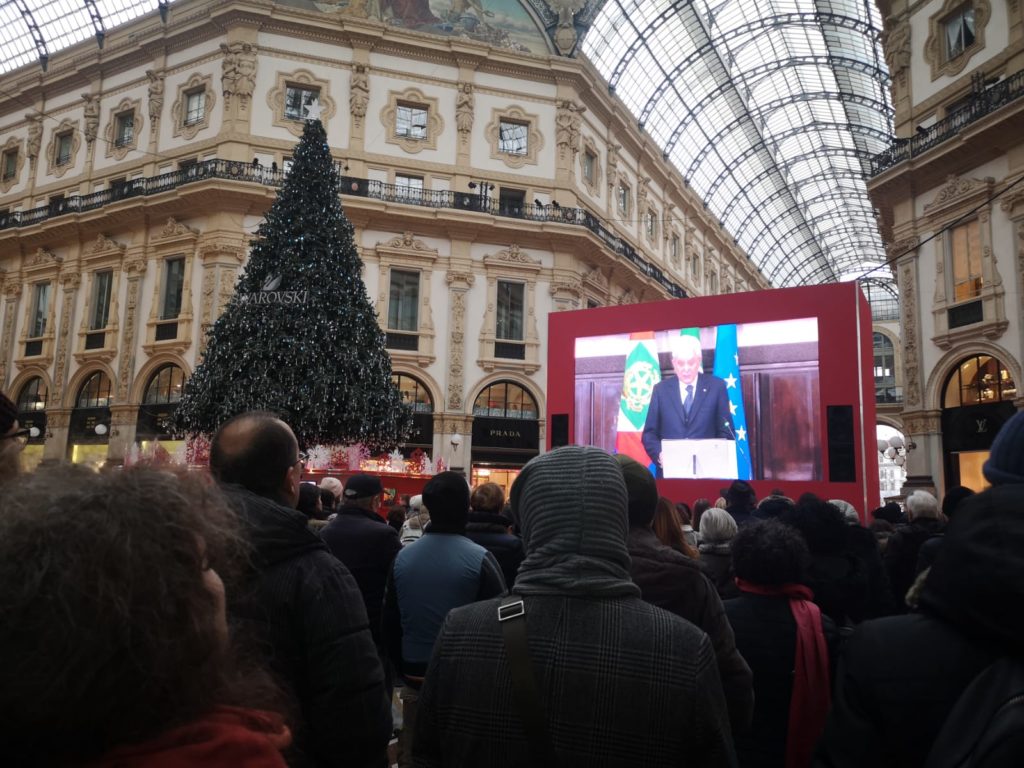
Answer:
(512, 616)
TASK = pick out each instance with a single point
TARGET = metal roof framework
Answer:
(771, 110)
(33, 30)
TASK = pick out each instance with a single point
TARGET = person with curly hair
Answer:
(114, 635)
(785, 638)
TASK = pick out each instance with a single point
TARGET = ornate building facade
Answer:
(951, 200)
(490, 178)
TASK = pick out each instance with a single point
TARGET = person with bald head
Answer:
(692, 406)
(301, 605)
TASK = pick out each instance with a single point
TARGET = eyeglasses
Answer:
(303, 458)
(20, 437)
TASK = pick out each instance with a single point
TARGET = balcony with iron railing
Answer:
(347, 185)
(984, 101)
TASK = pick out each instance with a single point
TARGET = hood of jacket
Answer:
(274, 532)
(488, 522)
(977, 580)
(571, 507)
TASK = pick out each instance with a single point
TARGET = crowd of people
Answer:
(242, 617)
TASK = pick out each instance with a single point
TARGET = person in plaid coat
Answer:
(621, 682)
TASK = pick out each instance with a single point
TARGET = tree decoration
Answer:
(299, 336)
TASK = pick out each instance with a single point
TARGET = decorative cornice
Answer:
(902, 247)
(956, 189)
(513, 255)
(173, 228)
(407, 241)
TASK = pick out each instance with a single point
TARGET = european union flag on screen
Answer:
(727, 368)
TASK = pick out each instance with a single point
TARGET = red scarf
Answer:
(226, 738)
(809, 705)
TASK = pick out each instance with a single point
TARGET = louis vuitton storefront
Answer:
(506, 433)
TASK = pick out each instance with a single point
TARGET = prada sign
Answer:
(519, 434)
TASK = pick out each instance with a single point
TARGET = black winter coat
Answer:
(673, 581)
(303, 609)
(766, 636)
(367, 545)
(623, 684)
(899, 677)
(901, 555)
(716, 562)
(490, 531)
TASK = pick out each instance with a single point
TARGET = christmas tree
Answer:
(300, 336)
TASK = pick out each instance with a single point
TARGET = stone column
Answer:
(135, 265)
(70, 279)
(58, 421)
(123, 423)
(221, 259)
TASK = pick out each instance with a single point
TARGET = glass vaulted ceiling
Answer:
(770, 109)
(33, 29)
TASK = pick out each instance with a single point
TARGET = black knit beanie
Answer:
(446, 495)
(641, 489)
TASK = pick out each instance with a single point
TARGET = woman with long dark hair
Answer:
(114, 635)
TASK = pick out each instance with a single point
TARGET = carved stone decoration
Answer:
(565, 34)
(124, 372)
(612, 172)
(935, 47)
(896, 42)
(408, 241)
(909, 333)
(103, 243)
(1011, 201)
(627, 297)
(12, 290)
(900, 248)
(35, 137)
(359, 93)
(175, 229)
(956, 189)
(643, 184)
(70, 282)
(514, 255)
(464, 115)
(563, 129)
(155, 105)
(41, 257)
(92, 117)
(567, 293)
(459, 284)
(238, 73)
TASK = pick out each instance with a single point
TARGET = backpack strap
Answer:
(525, 693)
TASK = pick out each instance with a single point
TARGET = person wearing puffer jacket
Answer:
(415, 521)
(489, 528)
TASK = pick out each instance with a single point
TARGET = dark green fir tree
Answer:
(300, 336)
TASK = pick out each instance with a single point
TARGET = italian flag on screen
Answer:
(641, 374)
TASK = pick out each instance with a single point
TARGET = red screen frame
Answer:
(845, 358)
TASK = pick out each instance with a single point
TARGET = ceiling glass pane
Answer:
(768, 109)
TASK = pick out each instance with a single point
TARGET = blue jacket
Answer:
(429, 577)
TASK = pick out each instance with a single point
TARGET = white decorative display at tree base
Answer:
(396, 461)
(319, 457)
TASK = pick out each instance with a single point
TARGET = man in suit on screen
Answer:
(692, 406)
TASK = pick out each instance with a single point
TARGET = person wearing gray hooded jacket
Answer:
(620, 682)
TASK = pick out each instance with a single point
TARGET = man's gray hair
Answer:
(717, 526)
(685, 347)
(922, 504)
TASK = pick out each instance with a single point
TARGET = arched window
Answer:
(414, 392)
(164, 385)
(32, 396)
(885, 369)
(505, 400)
(95, 392)
(978, 379)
